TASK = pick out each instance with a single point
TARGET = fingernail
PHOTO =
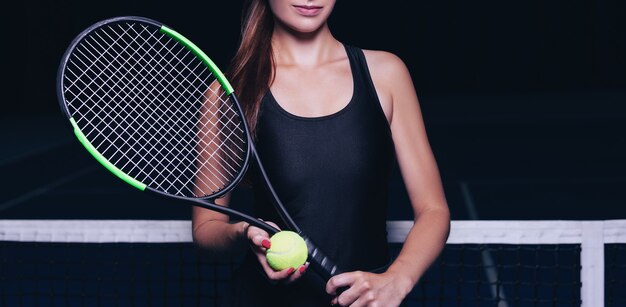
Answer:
(302, 269)
(291, 270)
(266, 243)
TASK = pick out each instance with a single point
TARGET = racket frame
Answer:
(319, 260)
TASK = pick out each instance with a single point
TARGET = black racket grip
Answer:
(321, 263)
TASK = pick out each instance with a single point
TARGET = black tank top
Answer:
(332, 174)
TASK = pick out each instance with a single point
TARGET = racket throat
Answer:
(280, 208)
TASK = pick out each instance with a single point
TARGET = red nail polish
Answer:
(302, 269)
(291, 270)
(266, 243)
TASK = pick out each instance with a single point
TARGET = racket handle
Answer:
(323, 265)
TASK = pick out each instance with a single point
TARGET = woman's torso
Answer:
(331, 173)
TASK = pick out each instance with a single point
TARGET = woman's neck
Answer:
(304, 49)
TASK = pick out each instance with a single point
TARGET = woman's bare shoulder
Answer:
(389, 73)
(386, 68)
(379, 61)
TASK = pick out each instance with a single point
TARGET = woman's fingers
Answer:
(340, 281)
(269, 272)
(260, 243)
(259, 237)
(298, 273)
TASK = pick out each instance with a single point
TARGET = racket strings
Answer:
(139, 73)
(223, 155)
(154, 110)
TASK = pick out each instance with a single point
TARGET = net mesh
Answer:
(526, 275)
(615, 271)
(154, 263)
(154, 109)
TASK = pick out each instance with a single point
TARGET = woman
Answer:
(330, 120)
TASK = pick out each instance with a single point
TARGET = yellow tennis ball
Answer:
(287, 250)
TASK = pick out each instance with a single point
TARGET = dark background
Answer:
(524, 102)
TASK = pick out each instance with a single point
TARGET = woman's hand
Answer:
(260, 242)
(369, 289)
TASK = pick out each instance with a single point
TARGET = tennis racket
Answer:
(156, 111)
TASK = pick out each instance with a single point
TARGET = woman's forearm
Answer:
(218, 236)
(423, 244)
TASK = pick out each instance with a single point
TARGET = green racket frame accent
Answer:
(108, 165)
(198, 52)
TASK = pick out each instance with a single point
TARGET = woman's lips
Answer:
(308, 10)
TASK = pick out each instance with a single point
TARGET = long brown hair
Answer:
(252, 68)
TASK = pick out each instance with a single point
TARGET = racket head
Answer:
(154, 109)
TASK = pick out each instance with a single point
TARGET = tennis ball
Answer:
(287, 250)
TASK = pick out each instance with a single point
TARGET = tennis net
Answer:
(154, 263)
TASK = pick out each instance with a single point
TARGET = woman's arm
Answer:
(212, 231)
(421, 176)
